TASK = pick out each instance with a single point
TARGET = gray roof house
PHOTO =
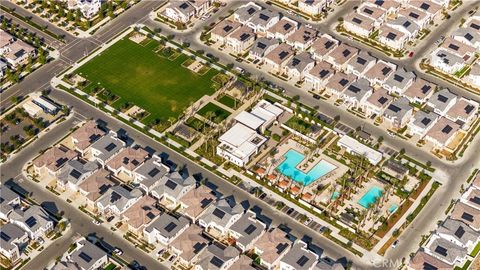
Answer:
(467, 36)
(74, 172)
(165, 228)
(398, 113)
(261, 21)
(148, 175)
(298, 65)
(35, 221)
(247, 230)
(218, 218)
(88, 256)
(105, 148)
(442, 101)
(12, 241)
(117, 200)
(422, 122)
(405, 25)
(245, 13)
(217, 256)
(9, 200)
(459, 233)
(359, 64)
(399, 81)
(262, 46)
(188, 245)
(328, 265)
(357, 93)
(299, 258)
(171, 188)
(446, 251)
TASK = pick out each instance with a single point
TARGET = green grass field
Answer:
(137, 74)
(220, 114)
(229, 101)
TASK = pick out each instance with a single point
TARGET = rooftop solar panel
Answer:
(170, 184)
(110, 147)
(441, 250)
(153, 172)
(468, 217)
(85, 257)
(216, 261)
(250, 229)
(75, 174)
(4, 236)
(442, 98)
(303, 260)
(447, 129)
(218, 213)
(170, 227)
(31, 221)
(391, 36)
(459, 232)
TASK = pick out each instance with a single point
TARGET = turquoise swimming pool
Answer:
(289, 168)
(368, 198)
(335, 195)
(392, 208)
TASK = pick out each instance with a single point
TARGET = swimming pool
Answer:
(335, 195)
(289, 168)
(368, 198)
(392, 208)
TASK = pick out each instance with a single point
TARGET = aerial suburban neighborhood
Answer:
(256, 134)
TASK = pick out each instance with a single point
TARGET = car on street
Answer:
(160, 252)
(290, 211)
(308, 221)
(117, 251)
(394, 245)
(262, 196)
(315, 96)
(96, 222)
(41, 241)
(410, 54)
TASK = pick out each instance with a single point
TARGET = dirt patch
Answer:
(138, 38)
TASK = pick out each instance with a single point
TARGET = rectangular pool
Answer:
(368, 198)
(289, 168)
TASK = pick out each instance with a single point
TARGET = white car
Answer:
(308, 221)
(394, 245)
(96, 222)
(117, 251)
(41, 241)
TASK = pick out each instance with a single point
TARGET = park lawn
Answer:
(137, 74)
(220, 114)
(228, 101)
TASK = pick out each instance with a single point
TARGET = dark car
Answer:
(315, 96)
(290, 211)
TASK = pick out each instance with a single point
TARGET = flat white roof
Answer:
(372, 155)
(250, 120)
(48, 105)
(31, 109)
(269, 107)
(244, 140)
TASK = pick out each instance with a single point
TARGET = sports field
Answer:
(139, 75)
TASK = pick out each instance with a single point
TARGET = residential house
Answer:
(302, 38)
(468, 214)
(398, 113)
(399, 81)
(446, 61)
(13, 240)
(117, 200)
(188, 245)
(148, 175)
(358, 24)
(420, 91)
(271, 248)
(390, 7)
(424, 261)
(458, 233)
(261, 116)
(94, 187)
(262, 20)
(319, 75)
(313, 7)
(282, 29)
(473, 77)
(372, 12)
(379, 73)
(195, 202)
(356, 94)
(278, 57)
(9, 200)
(326, 264)
(88, 8)
(165, 228)
(446, 251)
(241, 39)
(339, 56)
(395, 169)
(85, 135)
(420, 17)
(322, 46)
(217, 257)
(442, 133)
(88, 256)
(442, 101)
(245, 13)
(392, 37)
(261, 47)
(34, 220)
(405, 25)
(246, 231)
(52, 160)
(359, 64)
(239, 144)
(299, 65)
(421, 123)
(338, 83)
(427, 6)
(140, 215)
(74, 173)
(377, 102)
(180, 11)
(463, 112)
(3, 68)
(171, 188)
(471, 197)
(222, 30)
(243, 263)
(105, 148)
(127, 161)
(5, 40)
(218, 218)
(299, 258)
(18, 53)
(466, 52)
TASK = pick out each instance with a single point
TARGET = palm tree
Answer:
(210, 115)
(197, 125)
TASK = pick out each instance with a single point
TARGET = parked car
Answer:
(394, 245)
(117, 251)
(308, 221)
(96, 222)
(290, 211)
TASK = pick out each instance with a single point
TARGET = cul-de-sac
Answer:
(239, 134)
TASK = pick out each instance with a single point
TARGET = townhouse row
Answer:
(13, 52)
